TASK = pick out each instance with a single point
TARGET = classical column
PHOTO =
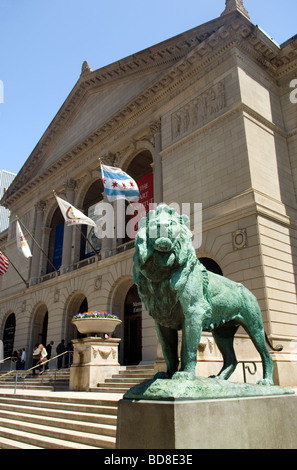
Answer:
(68, 231)
(157, 163)
(108, 241)
(36, 252)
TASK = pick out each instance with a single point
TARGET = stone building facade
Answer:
(205, 117)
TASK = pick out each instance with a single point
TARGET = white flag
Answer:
(22, 242)
(72, 215)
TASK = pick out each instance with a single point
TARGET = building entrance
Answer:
(132, 328)
(8, 336)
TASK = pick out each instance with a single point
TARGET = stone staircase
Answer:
(30, 421)
(127, 377)
(38, 416)
(51, 379)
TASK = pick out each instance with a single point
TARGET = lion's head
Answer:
(163, 242)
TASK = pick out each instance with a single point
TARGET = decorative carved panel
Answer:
(194, 113)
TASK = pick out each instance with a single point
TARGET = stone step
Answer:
(19, 438)
(132, 374)
(127, 377)
(57, 421)
(75, 415)
(78, 409)
(72, 422)
(89, 400)
(28, 387)
(145, 368)
(51, 379)
(45, 435)
(6, 443)
(121, 380)
(100, 389)
(115, 384)
(67, 424)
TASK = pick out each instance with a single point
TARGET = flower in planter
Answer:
(95, 314)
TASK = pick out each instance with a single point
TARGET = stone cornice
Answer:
(188, 54)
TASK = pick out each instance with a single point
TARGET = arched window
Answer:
(8, 335)
(140, 169)
(78, 304)
(211, 265)
(55, 249)
(89, 242)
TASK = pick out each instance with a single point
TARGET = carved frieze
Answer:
(200, 109)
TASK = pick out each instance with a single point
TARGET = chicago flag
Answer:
(118, 185)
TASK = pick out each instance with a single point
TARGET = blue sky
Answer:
(44, 43)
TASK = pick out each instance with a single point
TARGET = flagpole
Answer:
(88, 241)
(80, 230)
(37, 243)
(27, 284)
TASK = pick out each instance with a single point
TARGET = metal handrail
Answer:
(6, 359)
(37, 365)
(11, 358)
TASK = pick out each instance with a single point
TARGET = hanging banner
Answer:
(94, 233)
(146, 189)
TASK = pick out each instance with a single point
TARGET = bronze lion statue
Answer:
(180, 294)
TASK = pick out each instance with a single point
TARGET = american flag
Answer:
(3, 264)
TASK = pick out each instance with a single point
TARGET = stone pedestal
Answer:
(94, 360)
(235, 423)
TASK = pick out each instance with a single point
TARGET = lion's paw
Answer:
(265, 382)
(184, 375)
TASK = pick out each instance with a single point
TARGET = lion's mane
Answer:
(160, 286)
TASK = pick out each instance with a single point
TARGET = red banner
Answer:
(146, 189)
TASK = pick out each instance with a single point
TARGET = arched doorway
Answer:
(132, 327)
(44, 329)
(77, 304)
(83, 308)
(55, 248)
(8, 335)
(211, 265)
(89, 241)
(40, 324)
(140, 169)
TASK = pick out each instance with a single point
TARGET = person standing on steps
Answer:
(49, 353)
(43, 357)
(23, 359)
(36, 357)
(59, 350)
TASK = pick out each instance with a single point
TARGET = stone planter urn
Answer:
(95, 357)
(94, 323)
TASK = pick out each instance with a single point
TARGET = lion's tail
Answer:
(278, 347)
